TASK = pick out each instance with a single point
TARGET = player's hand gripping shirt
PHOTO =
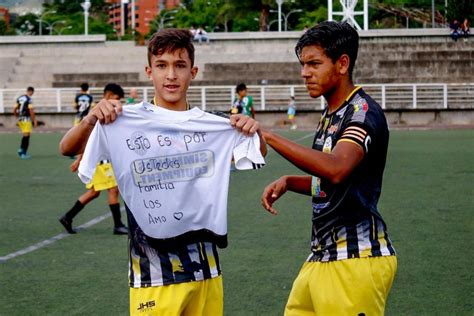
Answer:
(172, 169)
(346, 222)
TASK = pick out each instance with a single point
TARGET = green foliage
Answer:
(4, 29)
(236, 15)
(460, 10)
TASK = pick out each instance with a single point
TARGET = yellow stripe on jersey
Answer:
(176, 264)
(352, 93)
(349, 141)
(136, 267)
(355, 135)
(210, 257)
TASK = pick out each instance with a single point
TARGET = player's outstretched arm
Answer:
(273, 191)
(334, 166)
(75, 140)
(248, 126)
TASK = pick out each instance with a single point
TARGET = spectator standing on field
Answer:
(292, 112)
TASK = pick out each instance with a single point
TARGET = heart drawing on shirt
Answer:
(178, 215)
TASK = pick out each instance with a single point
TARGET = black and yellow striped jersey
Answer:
(83, 103)
(155, 264)
(346, 221)
(24, 103)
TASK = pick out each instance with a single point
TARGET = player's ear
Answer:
(194, 72)
(148, 72)
(343, 64)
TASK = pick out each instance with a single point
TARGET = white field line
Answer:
(52, 240)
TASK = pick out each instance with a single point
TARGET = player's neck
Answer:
(338, 96)
(181, 105)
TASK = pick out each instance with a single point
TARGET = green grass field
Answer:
(427, 202)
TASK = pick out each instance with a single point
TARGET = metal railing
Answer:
(427, 96)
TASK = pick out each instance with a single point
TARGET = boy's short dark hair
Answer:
(84, 86)
(336, 38)
(115, 89)
(240, 87)
(170, 40)
(30, 89)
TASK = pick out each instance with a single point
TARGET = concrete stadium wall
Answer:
(413, 55)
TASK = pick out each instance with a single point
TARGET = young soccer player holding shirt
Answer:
(168, 159)
(352, 263)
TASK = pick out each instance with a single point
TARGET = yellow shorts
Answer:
(103, 178)
(291, 116)
(25, 126)
(353, 287)
(181, 299)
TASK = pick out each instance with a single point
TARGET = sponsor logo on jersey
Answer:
(317, 207)
(316, 188)
(360, 109)
(142, 307)
(327, 147)
(333, 128)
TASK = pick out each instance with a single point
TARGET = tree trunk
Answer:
(264, 13)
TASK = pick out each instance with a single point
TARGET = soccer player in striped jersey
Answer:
(180, 277)
(23, 109)
(82, 103)
(352, 263)
(104, 178)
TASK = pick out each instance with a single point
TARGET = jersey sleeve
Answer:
(358, 126)
(96, 150)
(247, 153)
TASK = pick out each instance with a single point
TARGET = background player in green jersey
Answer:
(352, 263)
(23, 110)
(243, 103)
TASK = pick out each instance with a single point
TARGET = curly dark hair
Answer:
(336, 38)
(170, 40)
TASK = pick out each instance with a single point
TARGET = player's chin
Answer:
(315, 93)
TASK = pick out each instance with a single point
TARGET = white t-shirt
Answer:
(172, 167)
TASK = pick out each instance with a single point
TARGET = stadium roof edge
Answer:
(297, 34)
(100, 38)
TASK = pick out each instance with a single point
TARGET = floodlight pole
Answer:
(133, 17)
(279, 3)
(432, 14)
(40, 21)
(86, 5)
